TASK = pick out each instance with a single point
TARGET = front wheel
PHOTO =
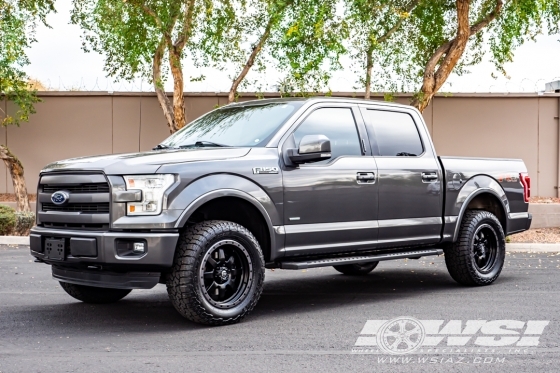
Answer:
(92, 294)
(218, 273)
(360, 269)
(477, 258)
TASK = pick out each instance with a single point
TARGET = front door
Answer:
(332, 205)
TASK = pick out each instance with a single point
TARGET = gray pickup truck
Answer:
(282, 183)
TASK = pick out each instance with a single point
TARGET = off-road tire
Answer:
(359, 269)
(185, 286)
(460, 256)
(92, 294)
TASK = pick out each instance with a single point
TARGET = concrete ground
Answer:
(306, 321)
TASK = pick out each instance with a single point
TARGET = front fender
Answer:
(223, 185)
(457, 202)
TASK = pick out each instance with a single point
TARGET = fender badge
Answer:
(265, 170)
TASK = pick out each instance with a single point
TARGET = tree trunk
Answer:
(178, 97)
(369, 68)
(18, 180)
(445, 58)
(158, 86)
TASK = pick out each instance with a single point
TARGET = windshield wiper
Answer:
(405, 154)
(202, 144)
(161, 146)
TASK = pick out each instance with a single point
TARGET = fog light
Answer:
(131, 248)
(139, 247)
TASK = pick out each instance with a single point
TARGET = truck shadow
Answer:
(285, 294)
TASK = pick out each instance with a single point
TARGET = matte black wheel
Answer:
(478, 255)
(91, 294)
(356, 269)
(218, 273)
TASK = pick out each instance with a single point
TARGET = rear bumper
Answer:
(91, 258)
(518, 222)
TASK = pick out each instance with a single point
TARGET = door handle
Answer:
(429, 177)
(365, 177)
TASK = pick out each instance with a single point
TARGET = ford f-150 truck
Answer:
(282, 183)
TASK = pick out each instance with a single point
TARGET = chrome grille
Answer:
(88, 205)
(78, 207)
(84, 188)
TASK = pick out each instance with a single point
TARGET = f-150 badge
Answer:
(265, 170)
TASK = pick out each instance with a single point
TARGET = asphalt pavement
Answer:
(306, 321)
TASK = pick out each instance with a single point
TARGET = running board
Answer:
(358, 259)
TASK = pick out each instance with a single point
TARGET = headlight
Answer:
(153, 187)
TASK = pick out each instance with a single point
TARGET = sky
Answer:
(58, 61)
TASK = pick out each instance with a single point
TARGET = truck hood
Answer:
(145, 162)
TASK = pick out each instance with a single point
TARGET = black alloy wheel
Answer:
(478, 255)
(218, 273)
(485, 247)
(226, 273)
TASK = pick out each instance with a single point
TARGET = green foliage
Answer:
(18, 20)
(302, 38)
(128, 32)
(389, 96)
(7, 220)
(310, 44)
(400, 61)
(374, 25)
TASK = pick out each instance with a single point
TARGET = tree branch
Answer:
(156, 18)
(488, 18)
(397, 25)
(437, 70)
(379, 40)
(251, 60)
(187, 26)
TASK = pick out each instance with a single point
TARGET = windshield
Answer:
(237, 126)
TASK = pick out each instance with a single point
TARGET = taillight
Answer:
(525, 180)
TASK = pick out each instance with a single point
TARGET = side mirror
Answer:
(312, 148)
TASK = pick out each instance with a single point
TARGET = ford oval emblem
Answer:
(60, 197)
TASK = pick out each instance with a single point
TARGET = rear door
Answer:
(331, 205)
(409, 177)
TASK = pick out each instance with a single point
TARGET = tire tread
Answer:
(181, 287)
(458, 255)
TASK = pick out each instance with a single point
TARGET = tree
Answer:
(449, 36)
(18, 20)
(372, 23)
(141, 37)
(296, 36)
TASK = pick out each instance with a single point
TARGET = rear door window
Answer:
(396, 134)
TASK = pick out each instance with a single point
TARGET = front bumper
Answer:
(102, 266)
(104, 279)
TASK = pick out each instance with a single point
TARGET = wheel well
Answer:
(238, 211)
(490, 203)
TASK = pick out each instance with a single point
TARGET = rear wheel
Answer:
(91, 294)
(477, 258)
(359, 269)
(218, 273)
